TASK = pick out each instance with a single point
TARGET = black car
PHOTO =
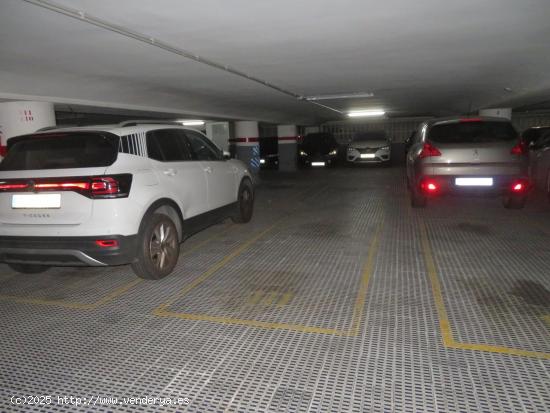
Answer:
(531, 135)
(269, 153)
(318, 149)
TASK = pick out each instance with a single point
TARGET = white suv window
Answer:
(61, 150)
(201, 148)
(167, 145)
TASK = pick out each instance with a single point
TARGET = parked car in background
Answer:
(531, 135)
(369, 147)
(465, 156)
(318, 149)
(539, 161)
(112, 195)
(269, 153)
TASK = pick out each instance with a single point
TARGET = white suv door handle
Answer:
(169, 172)
(208, 169)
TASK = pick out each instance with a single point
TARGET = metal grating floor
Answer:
(337, 297)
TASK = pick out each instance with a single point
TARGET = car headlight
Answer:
(333, 152)
(302, 153)
(385, 148)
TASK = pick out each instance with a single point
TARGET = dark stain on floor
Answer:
(479, 229)
(532, 293)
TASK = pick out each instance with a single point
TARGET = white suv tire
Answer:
(245, 202)
(158, 247)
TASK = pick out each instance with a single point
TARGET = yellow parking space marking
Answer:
(109, 297)
(68, 304)
(255, 298)
(368, 270)
(254, 323)
(8, 277)
(444, 323)
(270, 298)
(201, 244)
(215, 268)
(546, 318)
(285, 299)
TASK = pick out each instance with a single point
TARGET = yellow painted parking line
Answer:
(255, 298)
(285, 299)
(68, 304)
(111, 296)
(206, 241)
(444, 323)
(546, 318)
(8, 277)
(163, 310)
(368, 270)
(270, 298)
(253, 323)
(215, 268)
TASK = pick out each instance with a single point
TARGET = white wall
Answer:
(397, 129)
(19, 118)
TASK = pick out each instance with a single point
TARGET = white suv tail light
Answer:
(95, 187)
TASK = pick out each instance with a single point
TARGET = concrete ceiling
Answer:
(416, 57)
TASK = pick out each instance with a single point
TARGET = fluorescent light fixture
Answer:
(363, 113)
(262, 161)
(191, 122)
(335, 96)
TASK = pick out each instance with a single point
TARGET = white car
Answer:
(113, 195)
(369, 147)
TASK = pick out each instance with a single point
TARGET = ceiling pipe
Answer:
(104, 24)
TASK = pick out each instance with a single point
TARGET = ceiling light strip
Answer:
(83, 16)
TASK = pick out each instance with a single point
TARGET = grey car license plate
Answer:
(474, 181)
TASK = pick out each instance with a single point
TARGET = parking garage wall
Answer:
(523, 121)
(401, 128)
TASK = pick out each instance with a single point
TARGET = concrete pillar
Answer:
(19, 118)
(497, 112)
(247, 144)
(288, 147)
(219, 133)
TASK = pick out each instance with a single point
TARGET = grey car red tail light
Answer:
(95, 187)
(520, 186)
(429, 186)
(519, 149)
(429, 150)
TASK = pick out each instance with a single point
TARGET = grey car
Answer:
(369, 147)
(539, 165)
(466, 156)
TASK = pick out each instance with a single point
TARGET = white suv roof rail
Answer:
(47, 128)
(148, 122)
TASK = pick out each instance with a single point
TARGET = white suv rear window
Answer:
(61, 151)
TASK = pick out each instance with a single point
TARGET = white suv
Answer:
(113, 195)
